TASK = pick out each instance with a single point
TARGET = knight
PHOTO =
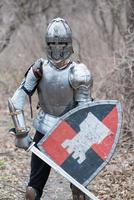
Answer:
(61, 85)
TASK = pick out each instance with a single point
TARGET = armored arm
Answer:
(18, 119)
(17, 102)
(81, 81)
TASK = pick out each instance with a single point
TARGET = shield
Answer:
(83, 141)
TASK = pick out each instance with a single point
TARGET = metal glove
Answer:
(23, 141)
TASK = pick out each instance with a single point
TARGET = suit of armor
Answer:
(60, 87)
(59, 90)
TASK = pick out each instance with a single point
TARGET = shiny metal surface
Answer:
(59, 91)
(17, 102)
(18, 118)
(81, 80)
(56, 96)
(59, 40)
(44, 122)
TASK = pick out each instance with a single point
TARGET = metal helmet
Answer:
(59, 40)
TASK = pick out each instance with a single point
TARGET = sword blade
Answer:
(57, 168)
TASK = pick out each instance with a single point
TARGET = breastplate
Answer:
(56, 96)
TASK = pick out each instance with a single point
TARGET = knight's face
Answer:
(57, 51)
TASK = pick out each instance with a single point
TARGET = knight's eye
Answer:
(57, 44)
(51, 43)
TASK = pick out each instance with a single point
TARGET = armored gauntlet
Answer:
(22, 140)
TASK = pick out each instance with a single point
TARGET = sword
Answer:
(50, 162)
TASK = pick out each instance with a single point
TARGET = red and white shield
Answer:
(84, 140)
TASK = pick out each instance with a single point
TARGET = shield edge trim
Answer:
(87, 105)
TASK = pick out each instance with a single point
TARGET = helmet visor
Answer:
(58, 51)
